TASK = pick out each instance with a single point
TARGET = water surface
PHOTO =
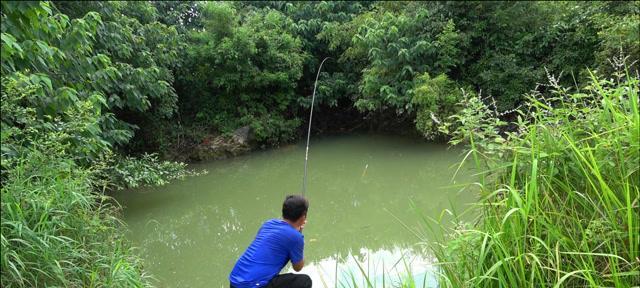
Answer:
(361, 189)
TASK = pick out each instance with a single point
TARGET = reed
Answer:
(559, 198)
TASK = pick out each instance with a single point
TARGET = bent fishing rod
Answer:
(306, 155)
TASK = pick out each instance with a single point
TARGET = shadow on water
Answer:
(360, 187)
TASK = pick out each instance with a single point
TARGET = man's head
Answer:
(295, 208)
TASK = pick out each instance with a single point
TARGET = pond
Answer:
(361, 190)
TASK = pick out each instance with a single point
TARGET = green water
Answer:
(360, 189)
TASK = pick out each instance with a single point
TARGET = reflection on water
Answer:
(380, 268)
(191, 232)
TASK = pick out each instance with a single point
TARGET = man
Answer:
(278, 241)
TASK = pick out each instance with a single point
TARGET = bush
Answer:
(119, 172)
(434, 98)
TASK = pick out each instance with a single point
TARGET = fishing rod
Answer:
(306, 155)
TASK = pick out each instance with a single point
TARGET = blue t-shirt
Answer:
(276, 243)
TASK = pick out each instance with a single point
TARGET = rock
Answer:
(222, 147)
(243, 135)
(217, 146)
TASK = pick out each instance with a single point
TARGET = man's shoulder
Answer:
(273, 223)
(283, 228)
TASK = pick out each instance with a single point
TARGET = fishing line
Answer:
(306, 155)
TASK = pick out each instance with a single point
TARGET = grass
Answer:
(560, 198)
(57, 232)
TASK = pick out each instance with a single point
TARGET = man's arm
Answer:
(298, 266)
(297, 253)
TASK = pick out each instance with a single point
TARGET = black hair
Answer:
(294, 207)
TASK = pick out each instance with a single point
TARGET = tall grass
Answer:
(560, 197)
(57, 232)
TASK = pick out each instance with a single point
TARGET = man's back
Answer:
(276, 243)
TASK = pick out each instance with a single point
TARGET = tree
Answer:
(241, 69)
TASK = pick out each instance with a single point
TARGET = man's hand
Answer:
(298, 266)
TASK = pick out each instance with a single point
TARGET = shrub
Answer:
(119, 172)
(434, 98)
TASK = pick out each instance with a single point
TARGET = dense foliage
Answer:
(228, 65)
(56, 231)
(65, 97)
(382, 51)
(241, 69)
(96, 94)
(499, 48)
